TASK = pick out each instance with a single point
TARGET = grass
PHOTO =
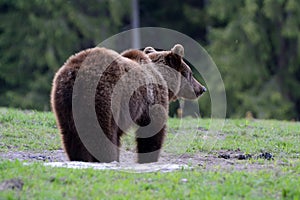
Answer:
(52, 183)
(280, 138)
(36, 131)
(27, 130)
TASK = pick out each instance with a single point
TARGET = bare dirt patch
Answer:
(50, 156)
(218, 160)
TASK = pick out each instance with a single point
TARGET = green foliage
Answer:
(185, 16)
(42, 182)
(28, 130)
(255, 45)
(38, 36)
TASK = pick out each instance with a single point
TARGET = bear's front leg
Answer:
(148, 148)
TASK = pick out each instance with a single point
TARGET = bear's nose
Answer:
(200, 91)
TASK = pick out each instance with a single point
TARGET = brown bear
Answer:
(123, 90)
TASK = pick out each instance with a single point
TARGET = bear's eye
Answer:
(187, 75)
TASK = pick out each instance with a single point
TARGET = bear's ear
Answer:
(174, 61)
(178, 49)
(149, 50)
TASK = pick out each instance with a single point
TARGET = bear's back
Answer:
(137, 56)
(101, 64)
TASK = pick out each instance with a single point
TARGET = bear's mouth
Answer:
(190, 92)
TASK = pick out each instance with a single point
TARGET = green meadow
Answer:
(277, 177)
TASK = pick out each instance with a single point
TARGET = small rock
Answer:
(266, 156)
(225, 156)
(41, 157)
(184, 180)
(11, 184)
(243, 156)
(202, 128)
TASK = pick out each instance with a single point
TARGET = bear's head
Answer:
(178, 76)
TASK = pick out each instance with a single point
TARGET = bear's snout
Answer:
(190, 89)
(200, 90)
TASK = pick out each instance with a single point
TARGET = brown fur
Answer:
(136, 55)
(141, 101)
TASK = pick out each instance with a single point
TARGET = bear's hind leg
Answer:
(75, 149)
(107, 145)
(149, 148)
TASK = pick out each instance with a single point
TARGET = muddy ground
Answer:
(218, 160)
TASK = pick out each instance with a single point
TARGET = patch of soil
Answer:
(11, 184)
(234, 154)
(221, 161)
(50, 156)
(217, 160)
(266, 155)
